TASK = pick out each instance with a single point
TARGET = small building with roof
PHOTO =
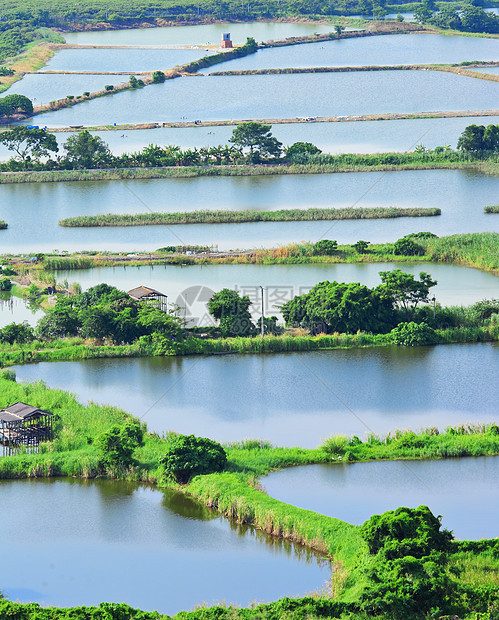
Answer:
(147, 294)
(24, 425)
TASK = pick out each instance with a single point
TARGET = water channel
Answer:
(88, 542)
(292, 399)
(355, 491)
(32, 210)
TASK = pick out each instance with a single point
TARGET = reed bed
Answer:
(491, 209)
(3, 225)
(236, 217)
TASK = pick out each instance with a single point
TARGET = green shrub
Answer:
(158, 77)
(189, 456)
(5, 284)
(325, 247)
(109, 87)
(407, 247)
(117, 444)
(413, 334)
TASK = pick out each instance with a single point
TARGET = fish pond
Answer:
(295, 398)
(261, 96)
(465, 491)
(88, 542)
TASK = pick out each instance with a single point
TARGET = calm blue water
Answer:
(265, 96)
(461, 195)
(400, 49)
(88, 542)
(354, 492)
(121, 59)
(296, 398)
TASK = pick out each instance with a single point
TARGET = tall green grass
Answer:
(235, 217)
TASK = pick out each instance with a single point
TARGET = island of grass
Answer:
(237, 217)
(440, 573)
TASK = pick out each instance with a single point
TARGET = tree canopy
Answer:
(228, 307)
(258, 139)
(29, 143)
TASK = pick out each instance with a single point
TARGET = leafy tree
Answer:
(5, 284)
(154, 320)
(491, 138)
(11, 104)
(118, 444)
(404, 290)
(299, 152)
(58, 323)
(188, 456)
(17, 332)
(407, 247)
(228, 307)
(471, 140)
(158, 77)
(339, 307)
(85, 151)
(29, 143)
(269, 325)
(361, 247)
(413, 334)
(325, 247)
(97, 323)
(258, 139)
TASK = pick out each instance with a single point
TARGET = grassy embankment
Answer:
(478, 250)
(35, 56)
(235, 217)
(459, 69)
(324, 164)
(236, 491)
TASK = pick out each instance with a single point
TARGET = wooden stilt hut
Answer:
(24, 425)
(144, 293)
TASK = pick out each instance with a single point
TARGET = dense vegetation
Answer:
(469, 18)
(232, 217)
(251, 143)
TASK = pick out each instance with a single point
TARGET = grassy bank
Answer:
(316, 164)
(74, 349)
(235, 217)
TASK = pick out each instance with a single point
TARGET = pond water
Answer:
(400, 49)
(355, 491)
(461, 195)
(16, 310)
(197, 35)
(42, 89)
(487, 69)
(292, 399)
(121, 59)
(262, 96)
(190, 287)
(88, 542)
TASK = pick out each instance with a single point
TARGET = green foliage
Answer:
(13, 104)
(29, 143)
(340, 307)
(158, 77)
(299, 152)
(86, 151)
(228, 307)
(109, 87)
(479, 139)
(407, 247)
(189, 456)
(5, 284)
(404, 290)
(325, 247)
(3, 226)
(414, 334)
(361, 246)
(258, 139)
(17, 332)
(118, 444)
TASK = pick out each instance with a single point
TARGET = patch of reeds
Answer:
(491, 209)
(235, 217)
(3, 225)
